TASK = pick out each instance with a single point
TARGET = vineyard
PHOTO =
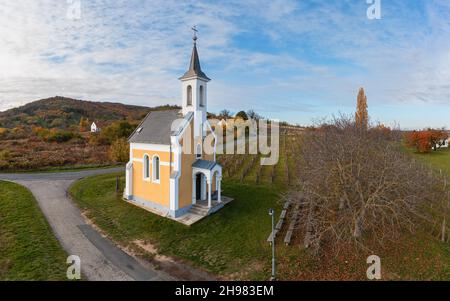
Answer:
(247, 169)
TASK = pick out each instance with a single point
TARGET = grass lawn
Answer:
(28, 248)
(439, 159)
(65, 168)
(231, 243)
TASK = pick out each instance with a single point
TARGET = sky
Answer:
(299, 61)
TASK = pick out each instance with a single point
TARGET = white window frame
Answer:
(201, 91)
(146, 165)
(189, 96)
(198, 155)
(154, 179)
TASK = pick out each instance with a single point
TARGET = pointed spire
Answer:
(195, 70)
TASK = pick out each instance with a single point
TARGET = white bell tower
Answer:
(194, 93)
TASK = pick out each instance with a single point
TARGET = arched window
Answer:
(202, 98)
(189, 95)
(156, 169)
(146, 167)
(198, 151)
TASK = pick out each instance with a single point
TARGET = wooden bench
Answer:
(288, 237)
(272, 235)
(279, 224)
(294, 220)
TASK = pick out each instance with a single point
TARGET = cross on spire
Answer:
(195, 69)
(195, 31)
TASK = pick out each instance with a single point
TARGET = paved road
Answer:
(100, 258)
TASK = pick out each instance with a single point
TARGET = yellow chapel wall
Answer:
(146, 189)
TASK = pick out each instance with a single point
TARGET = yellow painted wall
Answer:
(146, 189)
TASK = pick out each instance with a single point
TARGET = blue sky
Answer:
(298, 61)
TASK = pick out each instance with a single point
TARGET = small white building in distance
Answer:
(446, 143)
(94, 128)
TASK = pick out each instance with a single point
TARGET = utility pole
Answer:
(272, 214)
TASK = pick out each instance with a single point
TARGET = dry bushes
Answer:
(356, 185)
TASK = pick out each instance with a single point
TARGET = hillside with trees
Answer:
(64, 113)
(55, 133)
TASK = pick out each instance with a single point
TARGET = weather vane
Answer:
(194, 29)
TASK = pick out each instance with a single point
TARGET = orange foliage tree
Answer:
(426, 140)
(362, 116)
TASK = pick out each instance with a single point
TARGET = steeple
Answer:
(195, 70)
(194, 91)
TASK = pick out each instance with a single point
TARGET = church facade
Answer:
(169, 172)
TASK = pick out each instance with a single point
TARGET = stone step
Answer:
(199, 210)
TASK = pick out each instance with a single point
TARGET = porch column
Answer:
(129, 180)
(209, 194)
(194, 186)
(219, 188)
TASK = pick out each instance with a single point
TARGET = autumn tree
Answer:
(362, 116)
(84, 123)
(119, 151)
(426, 140)
(117, 130)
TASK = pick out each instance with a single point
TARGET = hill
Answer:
(52, 128)
(61, 112)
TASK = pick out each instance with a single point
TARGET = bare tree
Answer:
(226, 114)
(357, 185)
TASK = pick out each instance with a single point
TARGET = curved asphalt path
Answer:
(100, 258)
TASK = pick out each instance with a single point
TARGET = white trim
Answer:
(175, 181)
(215, 138)
(129, 180)
(185, 124)
(150, 147)
(161, 163)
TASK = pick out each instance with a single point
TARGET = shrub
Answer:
(117, 130)
(5, 155)
(119, 151)
(59, 136)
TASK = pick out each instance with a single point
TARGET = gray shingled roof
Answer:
(195, 70)
(204, 164)
(156, 127)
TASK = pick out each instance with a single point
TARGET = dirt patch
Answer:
(247, 270)
(174, 267)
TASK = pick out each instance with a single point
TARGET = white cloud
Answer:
(315, 54)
